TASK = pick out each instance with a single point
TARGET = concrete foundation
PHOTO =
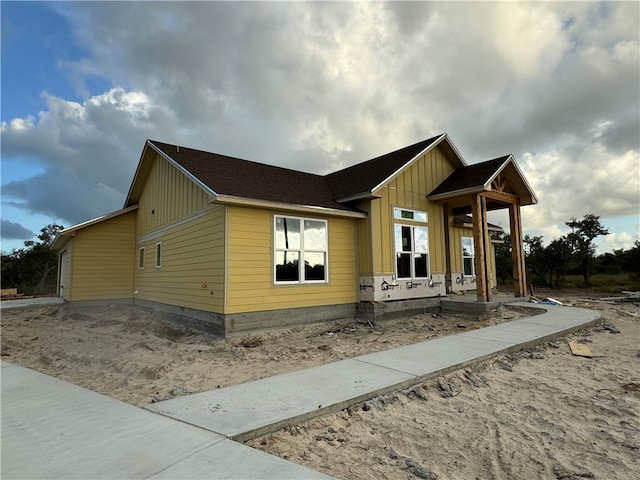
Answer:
(379, 311)
(225, 325)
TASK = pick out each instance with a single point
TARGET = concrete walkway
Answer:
(52, 429)
(30, 302)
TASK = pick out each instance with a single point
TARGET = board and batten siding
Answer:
(250, 268)
(102, 267)
(192, 265)
(455, 235)
(407, 190)
(167, 196)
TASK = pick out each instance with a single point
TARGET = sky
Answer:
(319, 86)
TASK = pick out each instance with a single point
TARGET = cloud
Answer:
(319, 86)
(14, 231)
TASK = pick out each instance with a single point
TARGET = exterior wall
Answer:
(192, 268)
(458, 281)
(167, 196)
(250, 270)
(377, 256)
(102, 266)
(64, 281)
(174, 211)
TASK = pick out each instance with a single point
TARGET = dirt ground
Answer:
(541, 413)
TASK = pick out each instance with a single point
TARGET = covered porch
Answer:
(477, 189)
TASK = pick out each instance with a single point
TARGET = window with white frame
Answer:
(141, 258)
(406, 214)
(300, 250)
(158, 255)
(412, 251)
(468, 257)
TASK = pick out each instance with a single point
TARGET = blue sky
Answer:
(318, 87)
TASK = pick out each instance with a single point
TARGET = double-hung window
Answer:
(411, 244)
(300, 250)
(468, 254)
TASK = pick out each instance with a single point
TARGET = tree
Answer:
(33, 269)
(504, 260)
(583, 232)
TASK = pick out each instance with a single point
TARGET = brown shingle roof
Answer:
(232, 176)
(472, 176)
(366, 176)
(245, 179)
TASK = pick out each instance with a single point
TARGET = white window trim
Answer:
(412, 252)
(402, 219)
(141, 256)
(302, 281)
(159, 257)
(472, 257)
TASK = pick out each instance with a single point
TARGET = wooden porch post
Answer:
(480, 234)
(517, 252)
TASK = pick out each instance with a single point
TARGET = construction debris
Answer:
(580, 349)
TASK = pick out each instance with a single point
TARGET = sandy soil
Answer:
(542, 413)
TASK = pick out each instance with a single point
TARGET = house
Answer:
(228, 245)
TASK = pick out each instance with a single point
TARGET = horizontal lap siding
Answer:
(103, 256)
(192, 264)
(250, 268)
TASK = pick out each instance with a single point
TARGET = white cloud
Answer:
(320, 86)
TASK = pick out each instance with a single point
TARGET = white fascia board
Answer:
(359, 196)
(454, 148)
(71, 231)
(250, 202)
(487, 185)
(457, 193)
(182, 169)
(534, 198)
(397, 172)
(135, 175)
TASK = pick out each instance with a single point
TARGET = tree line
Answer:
(33, 269)
(571, 254)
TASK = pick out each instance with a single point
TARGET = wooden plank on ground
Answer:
(580, 349)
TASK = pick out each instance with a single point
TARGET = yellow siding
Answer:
(250, 265)
(169, 194)
(457, 232)
(408, 190)
(102, 266)
(192, 267)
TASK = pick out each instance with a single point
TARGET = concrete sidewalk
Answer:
(30, 302)
(52, 429)
(252, 409)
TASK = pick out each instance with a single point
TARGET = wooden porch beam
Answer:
(502, 197)
(517, 252)
(481, 245)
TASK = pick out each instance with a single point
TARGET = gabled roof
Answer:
(233, 180)
(230, 179)
(63, 235)
(363, 179)
(234, 177)
(477, 178)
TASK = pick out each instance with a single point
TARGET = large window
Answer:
(468, 254)
(412, 251)
(300, 250)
